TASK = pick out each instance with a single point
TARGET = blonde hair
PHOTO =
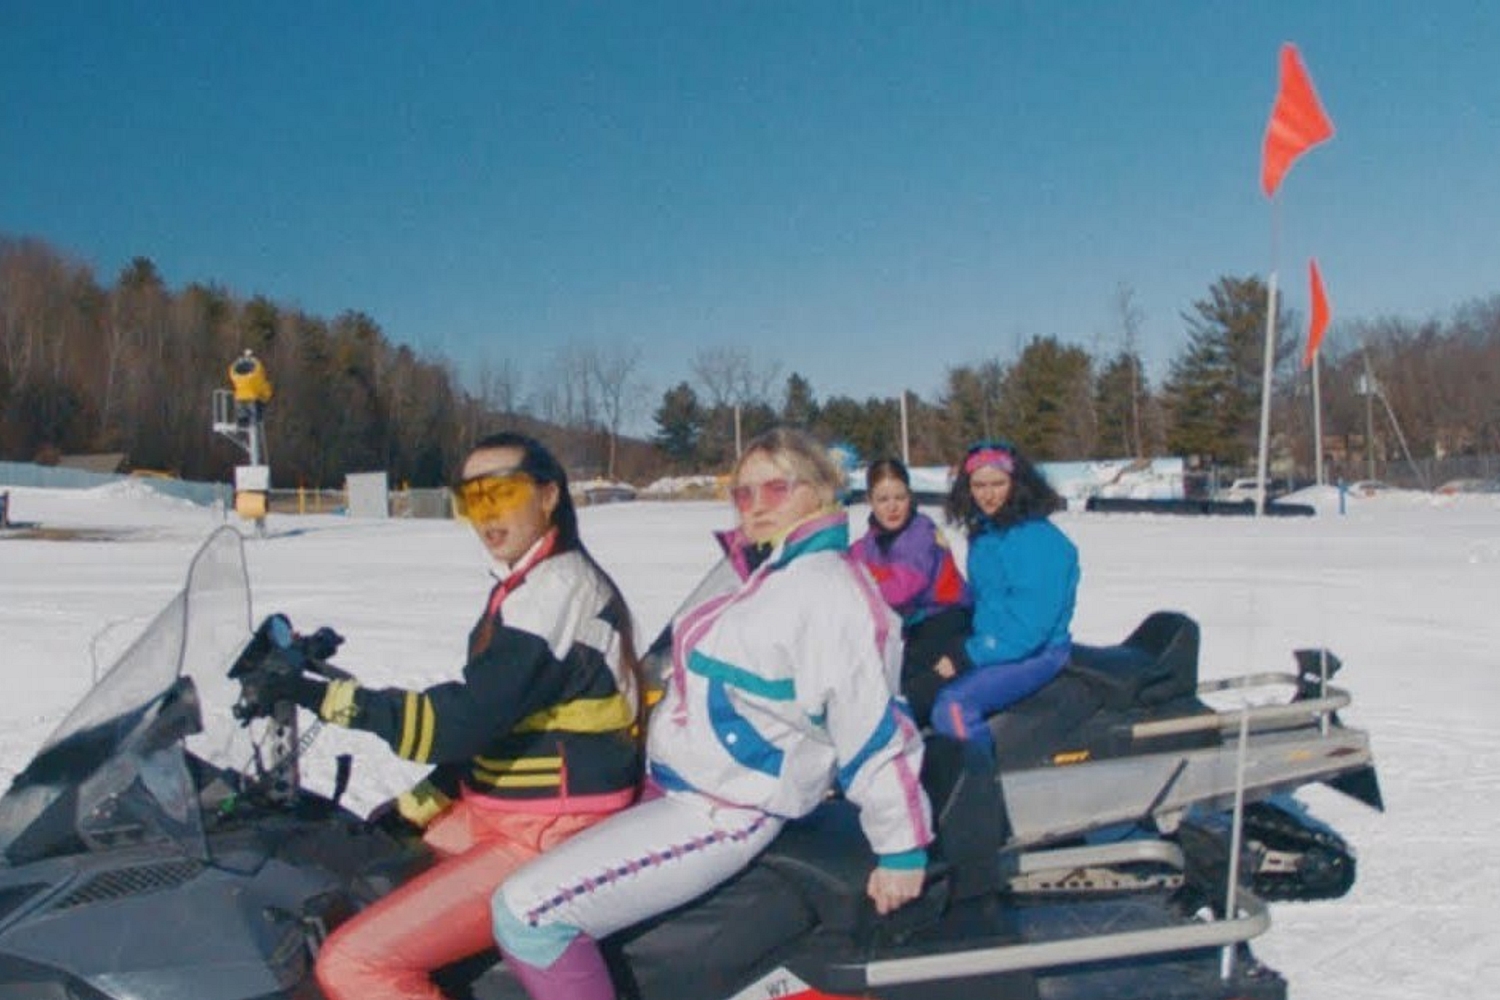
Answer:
(801, 456)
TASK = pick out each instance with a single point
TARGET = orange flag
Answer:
(1319, 321)
(1297, 121)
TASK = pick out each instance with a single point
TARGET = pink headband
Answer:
(996, 457)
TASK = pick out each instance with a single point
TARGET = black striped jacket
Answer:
(545, 714)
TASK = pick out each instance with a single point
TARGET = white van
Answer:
(1240, 489)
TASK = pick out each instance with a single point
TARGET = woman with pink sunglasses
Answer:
(778, 688)
(1023, 572)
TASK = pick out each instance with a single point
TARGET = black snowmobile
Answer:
(137, 865)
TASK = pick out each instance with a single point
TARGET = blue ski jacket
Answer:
(1025, 580)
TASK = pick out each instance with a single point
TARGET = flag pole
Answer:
(1317, 419)
(1268, 365)
(905, 438)
(1297, 123)
(1265, 395)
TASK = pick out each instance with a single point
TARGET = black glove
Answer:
(318, 647)
(261, 690)
(271, 668)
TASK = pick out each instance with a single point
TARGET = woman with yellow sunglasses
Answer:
(538, 741)
(780, 688)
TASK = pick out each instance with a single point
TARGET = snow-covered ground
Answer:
(1402, 587)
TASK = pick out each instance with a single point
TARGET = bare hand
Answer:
(890, 888)
(945, 669)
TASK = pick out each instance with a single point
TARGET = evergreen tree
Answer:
(800, 408)
(971, 405)
(258, 324)
(870, 428)
(1120, 399)
(1049, 408)
(1213, 389)
(679, 423)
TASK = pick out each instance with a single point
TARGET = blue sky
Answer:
(867, 194)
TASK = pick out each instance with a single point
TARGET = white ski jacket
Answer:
(786, 685)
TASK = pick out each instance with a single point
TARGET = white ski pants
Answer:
(640, 862)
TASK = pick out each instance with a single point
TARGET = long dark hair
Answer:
(543, 467)
(538, 462)
(1031, 496)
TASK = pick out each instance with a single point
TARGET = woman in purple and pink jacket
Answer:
(906, 553)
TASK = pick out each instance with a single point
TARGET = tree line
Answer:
(1432, 385)
(130, 366)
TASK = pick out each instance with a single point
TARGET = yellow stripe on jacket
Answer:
(582, 715)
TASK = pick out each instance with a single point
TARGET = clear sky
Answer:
(864, 193)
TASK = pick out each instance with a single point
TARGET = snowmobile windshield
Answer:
(115, 770)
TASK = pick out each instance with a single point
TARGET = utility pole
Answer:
(905, 435)
(1365, 386)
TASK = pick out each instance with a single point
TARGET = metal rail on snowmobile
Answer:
(1251, 919)
(1299, 711)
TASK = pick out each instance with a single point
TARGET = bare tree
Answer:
(564, 394)
(729, 376)
(1130, 316)
(716, 369)
(30, 279)
(138, 308)
(732, 381)
(499, 385)
(612, 370)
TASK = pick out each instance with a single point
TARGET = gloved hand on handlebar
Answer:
(274, 665)
(264, 688)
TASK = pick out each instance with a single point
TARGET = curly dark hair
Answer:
(1031, 496)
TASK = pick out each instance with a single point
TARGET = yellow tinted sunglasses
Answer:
(485, 498)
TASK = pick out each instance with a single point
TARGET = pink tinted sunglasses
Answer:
(772, 493)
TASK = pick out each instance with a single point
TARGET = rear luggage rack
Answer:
(1251, 918)
(1262, 717)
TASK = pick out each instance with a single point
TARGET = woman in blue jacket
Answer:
(1023, 572)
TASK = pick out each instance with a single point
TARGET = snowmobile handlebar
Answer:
(276, 652)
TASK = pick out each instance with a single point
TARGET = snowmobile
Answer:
(1127, 741)
(155, 848)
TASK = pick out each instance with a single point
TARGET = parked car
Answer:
(1469, 486)
(1368, 487)
(1241, 491)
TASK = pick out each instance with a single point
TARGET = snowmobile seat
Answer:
(1100, 692)
(1156, 664)
(827, 857)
